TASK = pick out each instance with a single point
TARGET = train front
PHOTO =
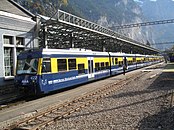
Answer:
(26, 78)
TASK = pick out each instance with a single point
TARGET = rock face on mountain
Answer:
(154, 10)
(106, 13)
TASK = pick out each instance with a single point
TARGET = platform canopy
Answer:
(69, 31)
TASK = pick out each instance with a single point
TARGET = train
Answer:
(40, 71)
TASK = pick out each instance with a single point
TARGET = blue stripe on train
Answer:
(101, 74)
(51, 82)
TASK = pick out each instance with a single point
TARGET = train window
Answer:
(112, 61)
(46, 65)
(81, 69)
(116, 61)
(97, 67)
(72, 64)
(129, 62)
(62, 65)
(134, 59)
(102, 66)
(107, 65)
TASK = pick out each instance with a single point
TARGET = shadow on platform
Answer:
(164, 120)
(164, 81)
(169, 68)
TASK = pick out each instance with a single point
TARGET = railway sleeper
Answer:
(23, 128)
(50, 115)
(47, 122)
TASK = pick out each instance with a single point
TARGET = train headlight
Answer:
(33, 81)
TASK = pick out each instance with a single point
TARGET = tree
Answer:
(65, 2)
(59, 3)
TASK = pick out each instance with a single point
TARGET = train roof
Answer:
(119, 54)
(73, 51)
(78, 51)
(37, 53)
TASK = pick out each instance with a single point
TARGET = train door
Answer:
(90, 67)
(125, 64)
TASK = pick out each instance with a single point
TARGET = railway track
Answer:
(44, 118)
(9, 95)
(7, 89)
(10, 100)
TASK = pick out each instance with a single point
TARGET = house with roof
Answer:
(17, 33)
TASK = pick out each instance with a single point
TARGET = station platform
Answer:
(169, 67)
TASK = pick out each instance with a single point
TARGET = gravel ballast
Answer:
(143, 104)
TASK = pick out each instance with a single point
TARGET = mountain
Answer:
(106, 13)
(155, 10)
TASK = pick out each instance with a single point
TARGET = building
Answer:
(17, 32)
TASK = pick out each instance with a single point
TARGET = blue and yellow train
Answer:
(45, 70)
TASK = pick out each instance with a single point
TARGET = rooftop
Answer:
(12, 7)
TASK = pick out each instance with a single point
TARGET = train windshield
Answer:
(27, 66)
